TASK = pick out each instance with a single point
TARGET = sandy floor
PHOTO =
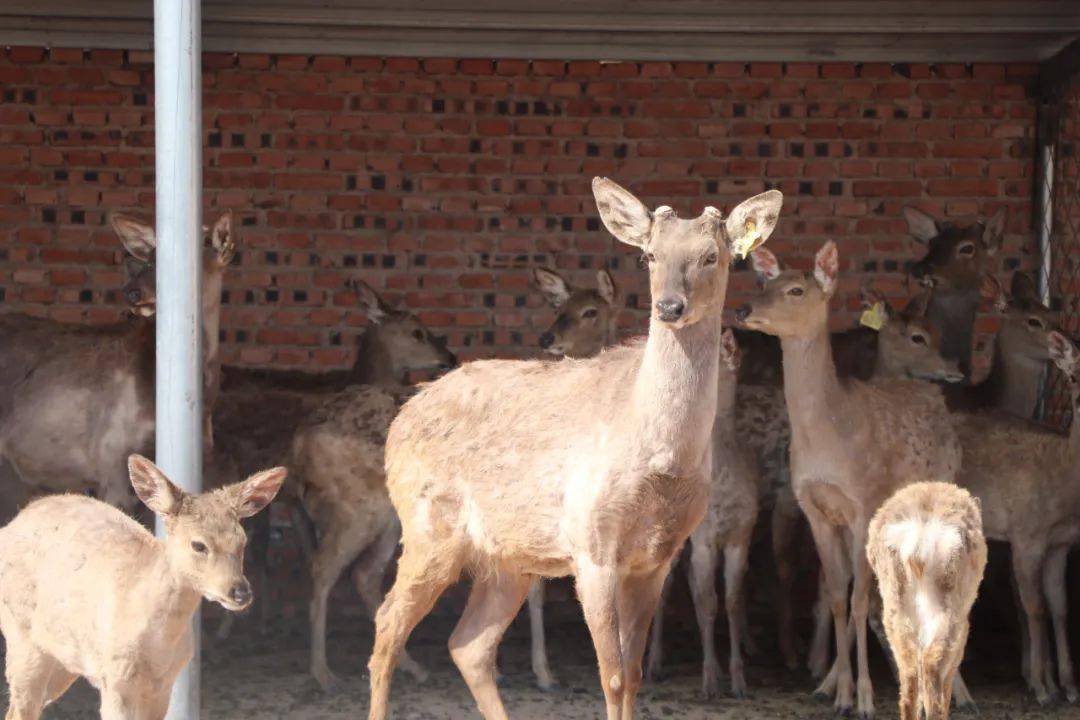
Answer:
(265, 677)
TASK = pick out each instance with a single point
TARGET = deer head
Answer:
(956, 258)
(1065, 355)
(139, 239)
(586, 317)
(791, 303)
(688, 260)
(907, 346)
(204, 541)
(1026, 322)
(396, 343)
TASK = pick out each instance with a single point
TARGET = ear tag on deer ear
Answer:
(873, 317)
(743, 246)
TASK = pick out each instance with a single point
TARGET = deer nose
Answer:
(133, 295)
(241, 593)
(670, 309)
(743, 312)
(547, 340)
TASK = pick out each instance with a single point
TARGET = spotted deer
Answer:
(927, 549)
(596, 468)
(852, 445)
(76, 400)
(956, 260)
(117, 610)
(1025, 477)
(269, 416)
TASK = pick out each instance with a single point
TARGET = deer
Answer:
(75, 400)
(927, 550)
(87, 591)
(852, 445)
(395, 345)
(956, 260)
(1025, 477)
(597, 468)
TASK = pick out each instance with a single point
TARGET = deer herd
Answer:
(599, 462)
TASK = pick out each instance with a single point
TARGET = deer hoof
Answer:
(330, 683)
(548, 684)
(1072, 695)
(655, 675)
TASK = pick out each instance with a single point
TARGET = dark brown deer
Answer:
(75, 401)
(956, 261)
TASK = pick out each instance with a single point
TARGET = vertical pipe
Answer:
(178, 168)
(1045, 214)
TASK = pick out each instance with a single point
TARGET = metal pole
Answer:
(178, 167)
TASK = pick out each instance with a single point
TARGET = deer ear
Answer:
(994, 230)
(221, 239)
(1024, 291)
(155, 490)
(757, 216)
(624, 215)
(255, 493)
(1062, 352)
(765, 263)
(827, 267)
(552, 286)
(605, 285)
(921, 226)
(991, 290)
(729, 349)
(370, 301)
(137, 236)
(917, 307)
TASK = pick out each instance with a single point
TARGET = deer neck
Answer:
(374, 363)
(952, 314)
(812, 391)
(674, 395)
(175, 599)
(726, 384)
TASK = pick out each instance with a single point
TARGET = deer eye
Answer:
(589, 313)
(918, 339)
(966, 250)
(795, 292)
(1035, 322)
(711, 258)
(198, 547)
(418, 335)
(646, 258)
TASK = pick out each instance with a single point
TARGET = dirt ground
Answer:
(265, 676)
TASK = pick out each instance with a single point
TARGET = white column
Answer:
(178, 167)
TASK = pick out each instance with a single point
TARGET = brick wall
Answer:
(444, 180)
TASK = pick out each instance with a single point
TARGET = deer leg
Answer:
(637, 602)
(493, 603)
(544, 677)
(368, 575)
(341, 544)
(424, 572)
(703, 560)
(655, 671)
(860, 608)
(30, 674)
(836, 565)
(1054, 588)
(785, 526)
(818, 659)
(909, 694)
(735, 559)
(1027, 567)
(598, 587)
(303, 531)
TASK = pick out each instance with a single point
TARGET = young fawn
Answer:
(928, 552)
(852, 444)
(595, 468)
(87, 591)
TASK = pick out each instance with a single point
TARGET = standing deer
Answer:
(956, 261)
(595, 468)
(87, 591)
(75, 401)
(852, 445)
(927, 550)
(267, 414)
(1025, 477)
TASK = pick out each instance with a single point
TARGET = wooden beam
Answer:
(1059, 71)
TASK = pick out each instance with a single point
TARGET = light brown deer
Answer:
(595, 468)
(956, 260)
(852, 445)
(87, 591)
(75, 401)
(1025, 476)
(927, 549)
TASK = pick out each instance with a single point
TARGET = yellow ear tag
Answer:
(743, 246)
(873, 317)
